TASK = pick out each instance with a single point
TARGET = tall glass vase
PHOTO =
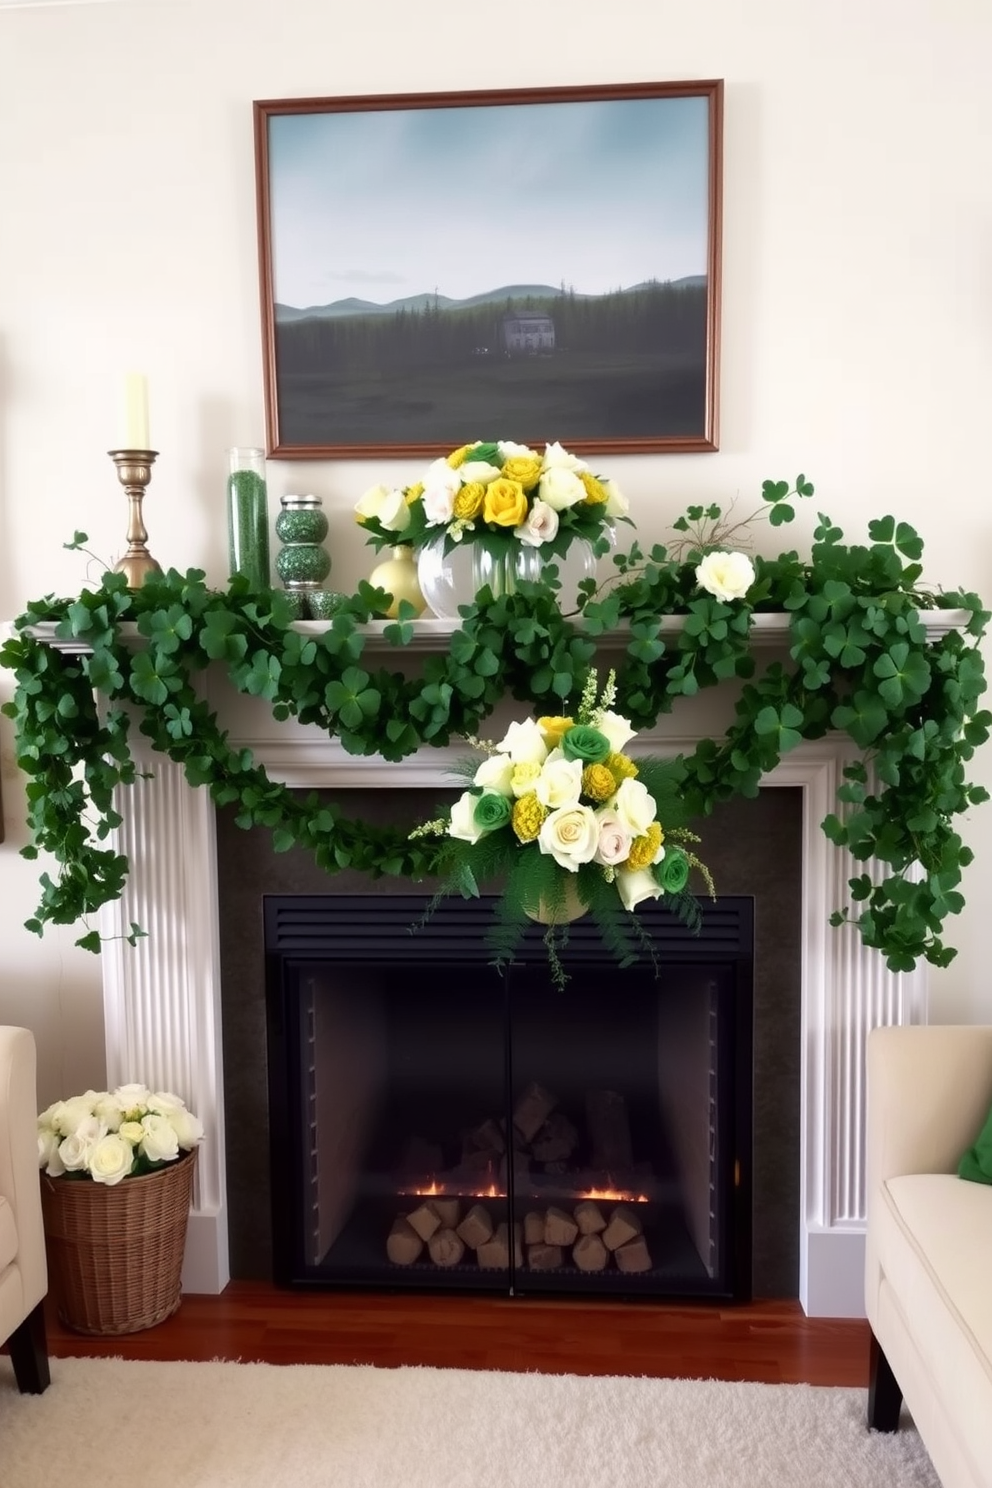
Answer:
(248, 516)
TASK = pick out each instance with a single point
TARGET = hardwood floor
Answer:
(771, 1342)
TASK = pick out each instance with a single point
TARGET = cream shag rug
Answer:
(111, 1421)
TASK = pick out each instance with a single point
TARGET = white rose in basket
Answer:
(108, 1136)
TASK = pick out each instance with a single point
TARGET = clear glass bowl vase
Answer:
(448, 580)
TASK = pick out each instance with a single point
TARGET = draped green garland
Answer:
(860, 662)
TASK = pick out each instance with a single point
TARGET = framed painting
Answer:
(534, 265)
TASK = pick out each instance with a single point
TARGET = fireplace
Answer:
(164, 1011)
(437, 1124)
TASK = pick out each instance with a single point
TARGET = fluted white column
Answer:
(162, 1008)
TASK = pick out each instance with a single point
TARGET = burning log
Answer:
(609, 1131)
(483, 1145)
(403, 1244)
(634, 1256)
(532, 1111)
(544, 1257)
(476, 1228)
(446, 1248)
(425, 1220)
(624, 1225)
(559, 1228)
(556, 1140)
(590, 1254)
(589, 1218)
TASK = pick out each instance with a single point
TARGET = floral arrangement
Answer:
(109, 1135)
(498, 495)
(574, 824)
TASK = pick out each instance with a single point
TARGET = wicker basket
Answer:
(115, 1254)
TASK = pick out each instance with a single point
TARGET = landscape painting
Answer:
(526, 265)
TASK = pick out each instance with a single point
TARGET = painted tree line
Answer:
(655, 318)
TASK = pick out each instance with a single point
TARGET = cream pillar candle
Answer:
(134, 420)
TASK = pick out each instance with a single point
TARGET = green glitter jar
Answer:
(302, 563)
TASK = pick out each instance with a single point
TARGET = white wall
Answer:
(857, 290)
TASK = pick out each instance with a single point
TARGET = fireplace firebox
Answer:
(438, 1125)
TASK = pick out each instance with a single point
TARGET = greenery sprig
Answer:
(859, 662)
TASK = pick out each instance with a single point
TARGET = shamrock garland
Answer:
(860, 663)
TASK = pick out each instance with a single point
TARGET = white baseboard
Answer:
(832, 1272)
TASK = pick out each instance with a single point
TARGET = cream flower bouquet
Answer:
(499, 495)
(572, 824)
(110, 1135)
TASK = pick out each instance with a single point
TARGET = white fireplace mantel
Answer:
(162, 999)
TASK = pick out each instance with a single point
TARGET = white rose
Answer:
(495, 773)
(556, 458)
(560, 781)
(74, 1150)
(369, 504)
(634, 805)
(132, 1097)
(725, 575)
(111, 1159)
(187, 1127)
(524, 778)
(617, 504)
(616, 728)
(108, 1110)
(614, 840)
(440, 476)
(570, 835)
(540, 527)
(561, 488)
(164, 1102)
(511, 451)
(394, 514)
(132, 1132)
(478, 470)
(524, 743)
(70, 1114)
(633, 887)
(160, 1143)
(48, 1152)
(462, 823)
(439, 505)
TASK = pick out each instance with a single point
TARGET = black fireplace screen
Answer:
(435, 1124)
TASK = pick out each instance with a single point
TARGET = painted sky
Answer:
(391, 202)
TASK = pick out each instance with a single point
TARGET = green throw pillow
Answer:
(976, 1165)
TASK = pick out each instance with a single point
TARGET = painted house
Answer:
(527, 333)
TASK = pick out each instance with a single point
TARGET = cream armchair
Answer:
(929, 1243)
(23, 1267)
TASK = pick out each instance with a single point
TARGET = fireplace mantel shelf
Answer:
(768, 631)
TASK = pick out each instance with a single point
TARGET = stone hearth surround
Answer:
(162, 1002)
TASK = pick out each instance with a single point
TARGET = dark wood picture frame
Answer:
(616, 188)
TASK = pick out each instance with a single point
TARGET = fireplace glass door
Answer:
(436, 1124)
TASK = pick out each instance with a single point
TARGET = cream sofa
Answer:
(928, 1280)
(23, 1269)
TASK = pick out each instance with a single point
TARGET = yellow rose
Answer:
(621, 767)
(458, 456)
(414, 493)
(524, 468)
(596, 493)
(553, 728)
(468, 501)
(505, 503)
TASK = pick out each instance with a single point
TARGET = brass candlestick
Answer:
(134, 471)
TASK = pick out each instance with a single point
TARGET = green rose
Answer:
(491, 811)
(585, 744)
(673, 871)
